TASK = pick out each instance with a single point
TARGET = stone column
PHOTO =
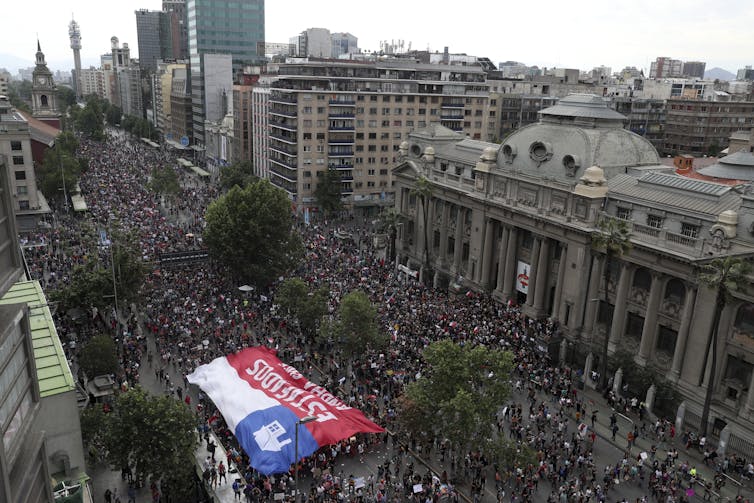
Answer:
(541, 288)
(487, 259)
(619, 313)
(444, 235)
(501, 259)
(649, 401)
(649, 329)
(533, 270)
(458, 241)
(617, 381)
(683, 333)
(588, 366)
(749, 408)
(510, 264)
(592, 302)
(557, 301)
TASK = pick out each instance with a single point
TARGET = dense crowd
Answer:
(196, 313)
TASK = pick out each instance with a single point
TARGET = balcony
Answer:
(285, 139)
(346, 178)
(451, 117)
(283, 125)
(340, 142)
(680, 239)
(283, 99)
(284, 176)
(335, 129)
(344, 103)
(340, 166)
(341, 115)
(284, 151)
(281, 113)
(447, 104)
(285, 164)
(341, 153)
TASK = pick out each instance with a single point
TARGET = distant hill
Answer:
(719, 74)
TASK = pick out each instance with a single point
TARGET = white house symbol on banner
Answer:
(268, 437)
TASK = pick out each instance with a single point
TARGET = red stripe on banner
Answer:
(262, 370)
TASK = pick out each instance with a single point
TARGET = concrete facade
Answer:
(516, 220)
(702, 127)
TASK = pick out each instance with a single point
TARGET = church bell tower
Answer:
(44, 96)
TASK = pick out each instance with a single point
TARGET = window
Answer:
(320, 123)
(370, 172)
(307, 110)
(385, 123)
(385, 111)
(383, 172)
(307, 123)
(384, 136)
(320, 136)
(21, 190)
(18, 160)
(372, 136)
(359, 148)
(689, 230)
(372, 148)
(373, 110)
(422, 111)
(666, 338)
(370, 184)
(307, 174)
(320, 148)
(398, 111)
(307, 136)
(654, 221)
(15, 145)
(320, 110)
(307, 148)
(623, 213)
(397, 135)
(23, 205)
(20, 175)
(359, 136)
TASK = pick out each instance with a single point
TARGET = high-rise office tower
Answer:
(74, 33)
(220, 26)
(149, 32)
(175, 11)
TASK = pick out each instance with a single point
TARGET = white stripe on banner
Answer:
(231, 394)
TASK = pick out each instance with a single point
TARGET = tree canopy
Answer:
(156, 436)
(458, 394)
(308, 307)
(327, 192)
(239, 173)
(356, 326)
(164, 180)
(98, 357)
(250, 230)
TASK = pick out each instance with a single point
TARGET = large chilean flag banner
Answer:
(262, 398)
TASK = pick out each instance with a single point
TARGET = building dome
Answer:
(579, 132)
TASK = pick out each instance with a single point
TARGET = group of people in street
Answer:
(196, 312)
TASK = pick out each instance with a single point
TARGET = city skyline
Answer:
(556, 34)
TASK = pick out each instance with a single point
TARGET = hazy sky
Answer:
(574, 34)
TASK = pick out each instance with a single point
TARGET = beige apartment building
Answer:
(352, 117)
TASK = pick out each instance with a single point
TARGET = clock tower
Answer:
(44, 93)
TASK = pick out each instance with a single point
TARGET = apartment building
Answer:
(704, 127)
(352, 117)
(645, 117)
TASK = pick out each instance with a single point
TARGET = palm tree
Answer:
(613, 238)
(389, 221)
(423, 190)
(724, 275)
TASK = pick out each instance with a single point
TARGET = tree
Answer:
(66, 97)
(356, 326)
(156, 436)
(294, 296)
(327, 192)
(423, 190)
(239, 173)
(250, 230)
(89, 122)
(389, 221)
(724, 276)
(458, 394)
(164, 181)
(113, 115)
(60, 168)
(613, 239)
(98, 357)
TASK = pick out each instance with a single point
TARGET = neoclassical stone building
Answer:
(516, 220)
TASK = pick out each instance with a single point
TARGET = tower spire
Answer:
(39, 47)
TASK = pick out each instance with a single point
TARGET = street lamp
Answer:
(303, 420)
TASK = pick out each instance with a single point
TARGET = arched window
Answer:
(642, 279)
(43, 100)
(675, 291)
(745, 319)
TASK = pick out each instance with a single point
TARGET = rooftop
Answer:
(53, 373)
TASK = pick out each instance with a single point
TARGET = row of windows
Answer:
(397, 98)
(356, 172)
(656, 222)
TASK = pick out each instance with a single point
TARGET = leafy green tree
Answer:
(19, 94)
(724, 276)
(98, 357)
(327, 192)
(113, 115)
(58, 169)
(294, 296)
(156, 436)
(613, 238)
(66, 97)
(250, 230)
(423, 191)
(90, 286)
(93, 422)
(356, 326)
(165, 181)
(89, 122)
(458, 394)
(239, 173)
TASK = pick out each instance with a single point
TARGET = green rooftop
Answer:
(53, 373)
